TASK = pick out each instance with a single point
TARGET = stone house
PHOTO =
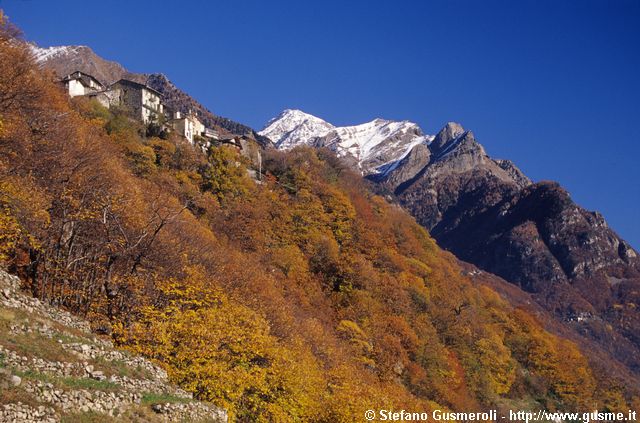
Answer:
(80, 83)
(143, 102)
(187, 126)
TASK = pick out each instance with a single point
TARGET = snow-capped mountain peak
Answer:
(373, 146)
(362, 140)
(294, 127)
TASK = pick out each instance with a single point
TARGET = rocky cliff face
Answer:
(451, 177)
(52, 368)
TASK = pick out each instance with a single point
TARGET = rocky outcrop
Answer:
(457, 176)
(445, 137)
(52, 366)
(513, 171)
(409, 167)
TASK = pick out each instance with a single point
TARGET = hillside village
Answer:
(145, 105)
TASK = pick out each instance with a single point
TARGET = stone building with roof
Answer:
(141, 101)
(80, 83)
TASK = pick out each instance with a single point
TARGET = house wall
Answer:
(81, 85)
(151, 105)
(112, 97)
(198, 127)
(75, 88)
(188, 127)
(93, 85)
(130, 98)
(185, 128)
(103, 99)
(210, 133)
(189, 130)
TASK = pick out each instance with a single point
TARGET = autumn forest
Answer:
(294, 295)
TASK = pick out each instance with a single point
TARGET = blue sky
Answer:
(552, 85)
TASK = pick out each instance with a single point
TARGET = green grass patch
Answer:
(70, 382)
(90, 384)
(70, 339)
(33, 375)
(120, 368)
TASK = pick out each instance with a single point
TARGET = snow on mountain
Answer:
(294, 127)
(44, 54)
(375, 147)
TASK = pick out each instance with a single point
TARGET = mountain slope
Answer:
(533, 235)
(455, 158)
(489, 213)
(374, 148)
